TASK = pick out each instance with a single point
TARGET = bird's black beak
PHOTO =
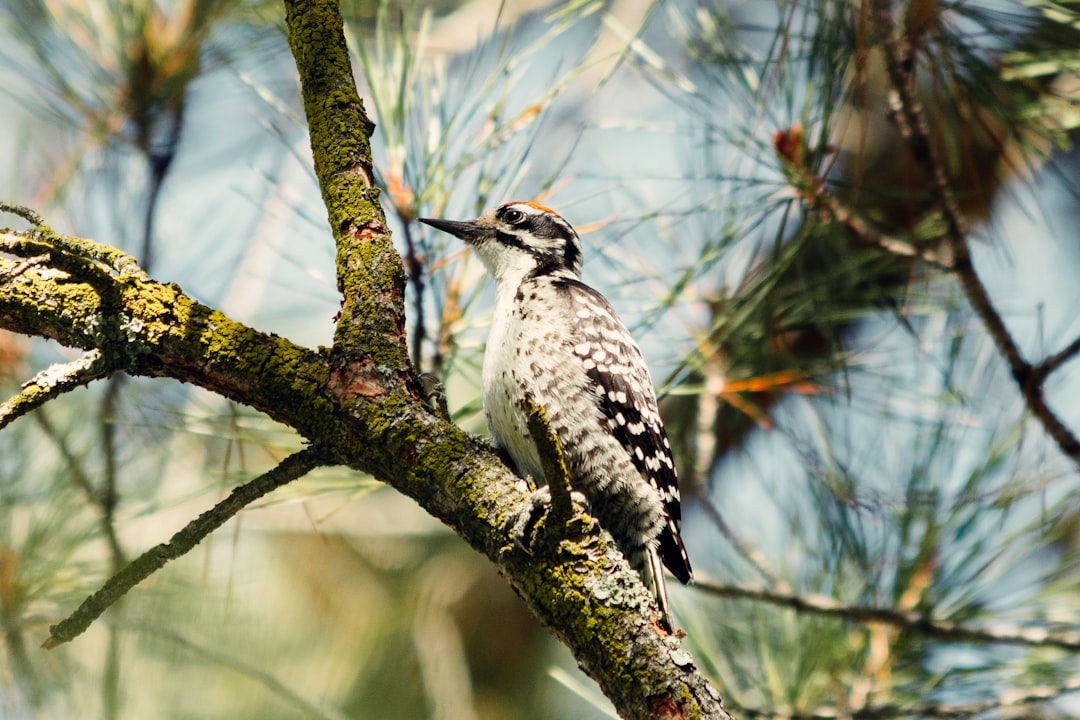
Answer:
(466, 230)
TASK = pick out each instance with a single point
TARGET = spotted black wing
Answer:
(615, 364)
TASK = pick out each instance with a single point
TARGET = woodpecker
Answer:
(557, 341)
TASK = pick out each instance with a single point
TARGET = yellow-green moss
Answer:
(374, 282)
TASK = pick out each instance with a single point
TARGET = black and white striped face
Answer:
(519, 237)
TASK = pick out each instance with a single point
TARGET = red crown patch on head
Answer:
(538, 206)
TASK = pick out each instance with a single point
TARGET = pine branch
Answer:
(1014, 700)
(910, 118)
(910, 621)
(583, 589)
(371, 275)
(43, 236)
(831, 210)
(551, 458)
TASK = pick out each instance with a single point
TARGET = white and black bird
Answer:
(558, 341)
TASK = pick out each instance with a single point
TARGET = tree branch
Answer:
(53, 381)
(910, 119)
(296, 465)
(551, 459)
(371, 276)
(912, 621)
(1013, 699)
(597, 607)
(819, 199)
(583, 590)
(116, 260)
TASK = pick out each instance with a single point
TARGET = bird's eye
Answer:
(513, 216)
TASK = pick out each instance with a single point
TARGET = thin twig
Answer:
(25, 213)
(294, 466)
(551, 459)
(53, 381)
(107, 497)
(42, 237)
(1006, 700)
(916, 622)
(914, 128)
(748, 553)
(818, 198)
(116, 260)
(1053, 362)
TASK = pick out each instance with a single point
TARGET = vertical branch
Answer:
(370, 273)
(552, 459)
(105, 497)
(159, 156)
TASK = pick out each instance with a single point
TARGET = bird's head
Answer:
(517, 238)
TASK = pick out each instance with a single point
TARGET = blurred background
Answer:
(848, 434)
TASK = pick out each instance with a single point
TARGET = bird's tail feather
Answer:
(655, 579)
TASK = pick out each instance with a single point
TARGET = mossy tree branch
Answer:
(53, 381)
(358, 402)
(371, 276)
(295, 466)
(583, 590)
(551, 458)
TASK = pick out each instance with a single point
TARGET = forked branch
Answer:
(910, 119)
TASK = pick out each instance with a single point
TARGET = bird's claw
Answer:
(525, 525)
